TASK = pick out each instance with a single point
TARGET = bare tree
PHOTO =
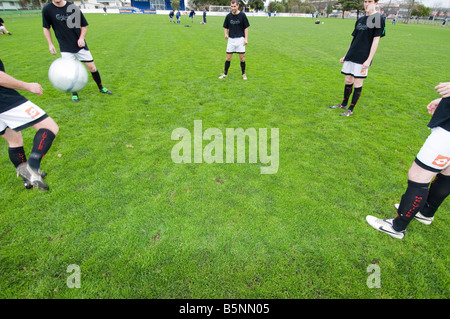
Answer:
(410, 4)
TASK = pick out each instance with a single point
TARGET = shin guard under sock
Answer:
(41, 144)
(413, 200)
(439, 190)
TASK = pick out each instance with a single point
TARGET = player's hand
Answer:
(81, 43)
(366, 64)
(342, 59)
(245, 42)
(35, 88)
(443, 89)
(433, 105)
(226, 36)
(52, 49)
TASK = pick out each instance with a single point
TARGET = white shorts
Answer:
(236, 45)
(355, 69)
(83, 55)
(22, 116)
(435, 152)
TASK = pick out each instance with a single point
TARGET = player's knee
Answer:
(420, 175)
(48, 124)
(53, 127)
(91, 66)
(446, 171)
(14, 139)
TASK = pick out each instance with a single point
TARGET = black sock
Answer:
(347, 91)
(227, 66)
(243, 67)
(439, 190)
(97, 79)
(17, 155)
(412, 202)
(41, 144)
(355, 98)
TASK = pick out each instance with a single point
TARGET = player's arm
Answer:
(373, 49)
(81, 42)
(48, 37)
(9, 82)
(225, 30)
(245, 36)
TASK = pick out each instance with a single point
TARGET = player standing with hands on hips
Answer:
(70, 27)
(366, 36)
(236, 32)
(421, 200)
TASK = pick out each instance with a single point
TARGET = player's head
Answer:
(234, 6)
(369, 5)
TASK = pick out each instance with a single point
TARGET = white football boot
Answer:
(385, 226)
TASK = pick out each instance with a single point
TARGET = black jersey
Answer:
(366, 28)
(66, 22)
(236, 24)
(441, 116)
(1, 21)
(9, 98)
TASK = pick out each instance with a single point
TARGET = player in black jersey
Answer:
(236, 32)
(366, 36)
(16, 114)
(191, 15)
(70, 27)
(421, 200)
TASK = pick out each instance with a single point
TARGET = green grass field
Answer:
(139, 225)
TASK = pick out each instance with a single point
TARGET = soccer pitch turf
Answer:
(139, 225)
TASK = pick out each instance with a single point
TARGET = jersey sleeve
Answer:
(84, 22)
(46, 22)
(246, 23)
(354, 29)
(381, 31)
(226, 23)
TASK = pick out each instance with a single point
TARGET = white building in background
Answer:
(98, 4)
(10, 5)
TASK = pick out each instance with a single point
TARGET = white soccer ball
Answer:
(67, 75)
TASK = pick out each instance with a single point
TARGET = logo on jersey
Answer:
(32, 112)
(441, 161)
